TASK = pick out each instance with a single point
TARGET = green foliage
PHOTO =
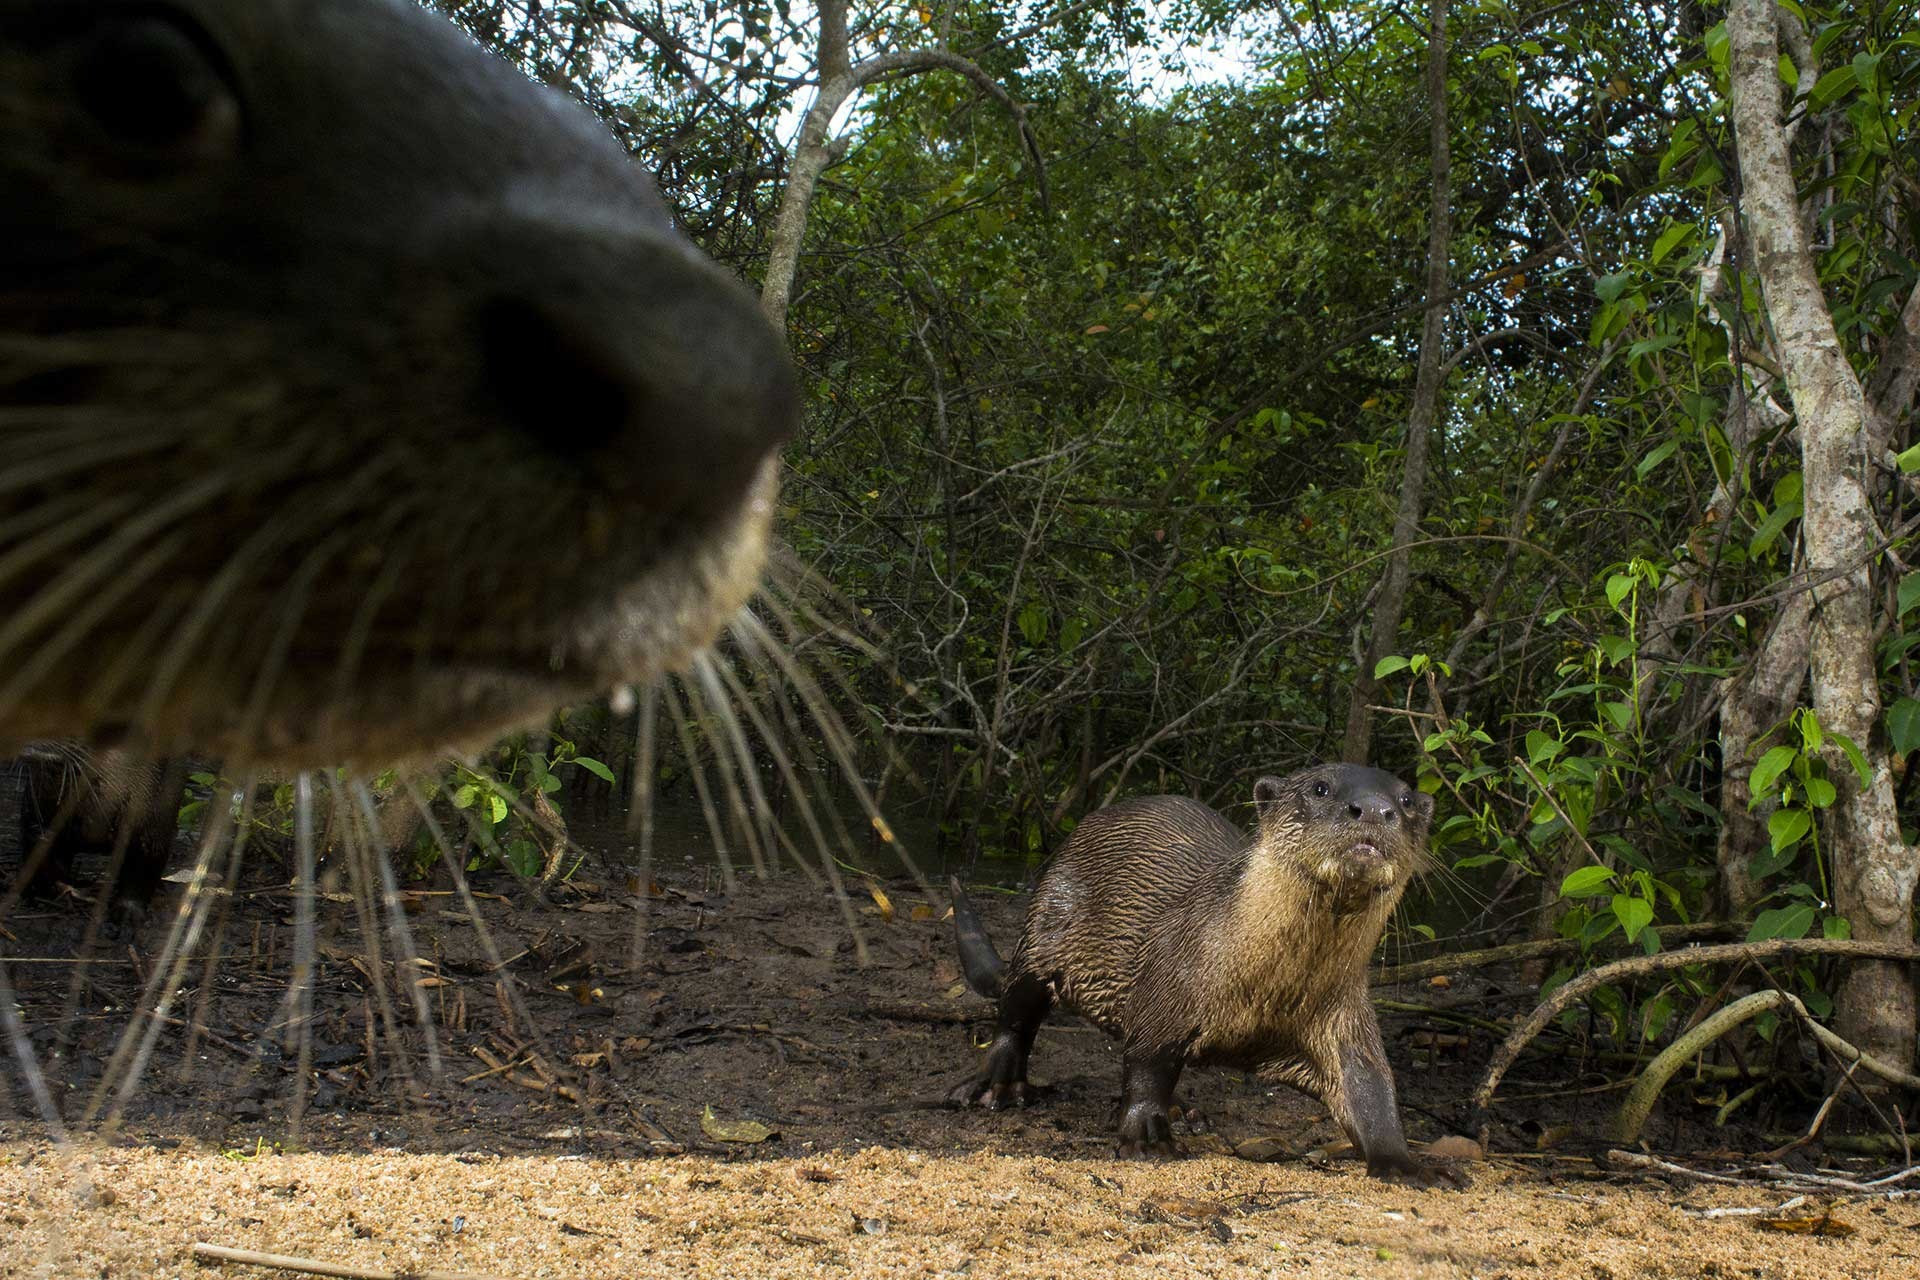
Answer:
(1114, 479)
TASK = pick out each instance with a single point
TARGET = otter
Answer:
(1165, 926)
(358, 398)
(73, 800)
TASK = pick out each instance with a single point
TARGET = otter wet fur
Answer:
(1170, 929)
(358, 398)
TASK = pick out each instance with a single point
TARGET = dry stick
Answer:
(314, 1267)
(1482, 1101)
(1632, 1116)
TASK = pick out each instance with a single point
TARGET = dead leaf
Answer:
(1440, 982)
(1455, 1147)
(882, 901)
(921, 911)
(732, 1130)
(810, 1173)
(1552, 1136)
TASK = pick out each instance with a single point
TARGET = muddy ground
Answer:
(745, 1099)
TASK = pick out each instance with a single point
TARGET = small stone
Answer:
(1455, 1147)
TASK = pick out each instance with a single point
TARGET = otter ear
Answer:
(1423, 805)
(1267, 794)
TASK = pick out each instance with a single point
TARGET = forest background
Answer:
(1516, 395)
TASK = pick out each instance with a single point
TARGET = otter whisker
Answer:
(51, 468)
(130, 1056)
(677, 713)
(294, 1020)
(833, 732)
(78, 625)
(402, 934)
(58, 597)
(715, 705)
(54, 526)
(640, 815)
(281, 530)
(509, 990)
(230, 883)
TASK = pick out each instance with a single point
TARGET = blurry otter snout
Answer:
(643, 369)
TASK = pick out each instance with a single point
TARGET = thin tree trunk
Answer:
(1874, 869)
(1392, 600)
(812, 153)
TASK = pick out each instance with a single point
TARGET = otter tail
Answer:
(985, 971)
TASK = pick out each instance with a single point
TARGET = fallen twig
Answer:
(314, 1267)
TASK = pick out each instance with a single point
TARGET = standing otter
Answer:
(357, 397)
(1164, 926)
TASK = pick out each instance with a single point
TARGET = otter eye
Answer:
(1319, 788)
(1406, 800)
(158, 91)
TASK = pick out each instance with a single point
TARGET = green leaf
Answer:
(1903, 724)
(1425, 931)
(1858, 761)
(1838, 928)
(1670, 239)
(1618, 586)
(497, 806)
(1781, 922)
(465, 796)
(1787, 827)
(1388, 665)
(1773, 526)
(1771, 766)
(1909, 460)
(1609, 288)
(1542, 746)
(1831, 87)
(1654, 458)
(1033, 622)
(1586, 882)
(1617, 648)
(1634, 914)
(594, 767)
(1820, 793)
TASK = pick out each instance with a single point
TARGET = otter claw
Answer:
(1148, 1149)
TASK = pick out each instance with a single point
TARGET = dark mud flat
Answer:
(747, 1101)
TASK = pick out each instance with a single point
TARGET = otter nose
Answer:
(1373, 808)
(655, 377)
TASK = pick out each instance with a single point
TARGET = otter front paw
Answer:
(1410, 1172)
(1146, 1133)
(998, 1096)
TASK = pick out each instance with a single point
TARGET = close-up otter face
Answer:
(1358, 831)
(357, 395)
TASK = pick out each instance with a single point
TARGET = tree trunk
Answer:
(1392, 600)
(812, 153)
(1874, 870)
